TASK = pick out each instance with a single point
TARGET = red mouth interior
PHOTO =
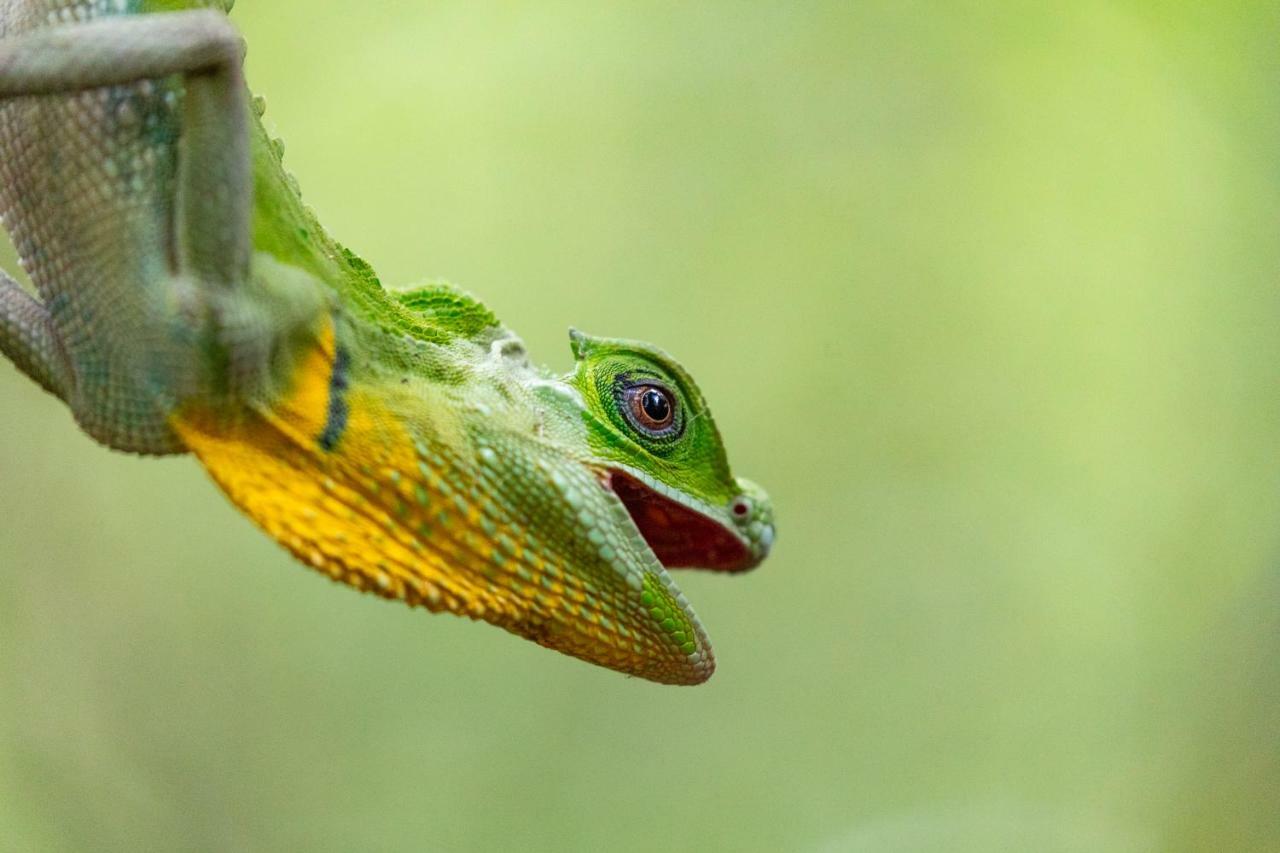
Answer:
(680, 537)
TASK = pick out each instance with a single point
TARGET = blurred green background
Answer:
(984, 293)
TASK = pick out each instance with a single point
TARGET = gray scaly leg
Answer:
(28, 340)
(135, 316)
(215, 184)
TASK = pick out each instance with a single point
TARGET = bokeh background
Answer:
(984, 293)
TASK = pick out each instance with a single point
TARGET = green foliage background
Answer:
(984, 293)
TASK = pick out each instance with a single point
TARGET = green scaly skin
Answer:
(402, 443)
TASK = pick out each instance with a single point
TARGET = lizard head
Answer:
(657, 449)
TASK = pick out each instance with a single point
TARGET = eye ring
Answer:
(651, 408)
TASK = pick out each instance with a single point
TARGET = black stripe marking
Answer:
(336, 421)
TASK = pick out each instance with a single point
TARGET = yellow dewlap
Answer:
(326, 506)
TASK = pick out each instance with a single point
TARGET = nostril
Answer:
(741, 508)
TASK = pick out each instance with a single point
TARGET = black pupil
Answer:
(656, 405)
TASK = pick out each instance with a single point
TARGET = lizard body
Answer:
(400, 442)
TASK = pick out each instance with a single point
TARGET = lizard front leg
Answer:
(133, 331)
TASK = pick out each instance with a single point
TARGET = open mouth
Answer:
(680, 537)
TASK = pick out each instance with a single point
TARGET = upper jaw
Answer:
(684, 532)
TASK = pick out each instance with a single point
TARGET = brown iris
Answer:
(651, 407)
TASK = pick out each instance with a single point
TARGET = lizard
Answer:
(401, 442)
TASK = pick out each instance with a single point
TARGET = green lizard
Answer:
(400, 442)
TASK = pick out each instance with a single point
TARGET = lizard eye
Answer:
(651, 409)
(655, 408)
